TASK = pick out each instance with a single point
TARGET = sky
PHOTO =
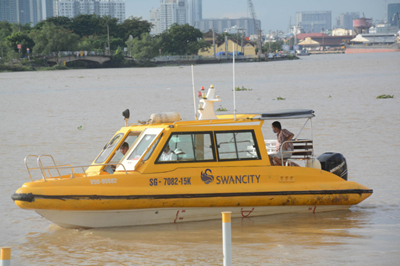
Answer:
(274, 14)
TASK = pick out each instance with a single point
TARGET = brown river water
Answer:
(40, 113)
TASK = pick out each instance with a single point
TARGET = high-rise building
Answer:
(68, 8)
(24, 11)
(89, 7)
(173, 11)
(337, 24)
(21, 11)
(314, 21)
(8, 11)
(220, 25)
(392, 9)
(36, 11)
(113, 8)
(195, 12)
(50, 8)
(155, 20)
(73, 8)
(55, 8)
(346, 20)
(176, 11)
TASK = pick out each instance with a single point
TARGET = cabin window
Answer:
(109, 148)
(129, 140)
(142, 146)
(188, 147)
(147, 156)
(145, 142)
(237, 145)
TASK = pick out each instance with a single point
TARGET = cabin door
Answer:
(145, 140)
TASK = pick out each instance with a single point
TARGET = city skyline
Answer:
(274, 16)
(21, 11)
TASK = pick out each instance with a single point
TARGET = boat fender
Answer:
(23, 197)
(167, 117)
(334, 163)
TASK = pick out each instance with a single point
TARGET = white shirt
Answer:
(169, 156)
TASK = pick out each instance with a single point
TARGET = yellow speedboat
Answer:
(165, 170)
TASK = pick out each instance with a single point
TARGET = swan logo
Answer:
(207, 176)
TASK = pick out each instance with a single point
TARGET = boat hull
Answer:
(342, 196)
(120, 218)
(135, 198)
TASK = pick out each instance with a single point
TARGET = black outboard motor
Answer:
(334, 163)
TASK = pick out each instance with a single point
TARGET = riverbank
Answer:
(19, 65)
(327, 52)
(225, 60)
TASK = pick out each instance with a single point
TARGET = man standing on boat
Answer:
(282, 135)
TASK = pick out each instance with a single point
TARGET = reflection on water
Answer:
(260, 239)
(40, 113)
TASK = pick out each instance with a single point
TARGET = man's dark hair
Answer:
(124, 145)
(277, 125)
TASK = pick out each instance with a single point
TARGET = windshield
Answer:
(125, 146)
(142, 146)
(109, 148)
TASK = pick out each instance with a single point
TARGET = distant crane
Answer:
(396, 19)
(256, 27)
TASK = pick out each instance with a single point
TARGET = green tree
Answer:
(144, 48)
(5, 31)
(18, 27)
(51, 38)
(64, 22)
(115, 43)
(112, 24)
(221, 38)
(135, 27)
(86, 44)
(275, 46)
(118, 57)
(20, 38)
(181, 40)
(94, 28)
(201, 45)
(86, 25)
(100, 42)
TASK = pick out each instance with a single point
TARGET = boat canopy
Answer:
(287, 114)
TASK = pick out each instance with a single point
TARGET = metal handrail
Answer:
(57, 167)
(296, 141)
(48, 168)
(82, 166)
(26, 164)
(240, 141)
(39, 162)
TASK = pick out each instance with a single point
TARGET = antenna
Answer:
(194, 95)
(234, 85)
